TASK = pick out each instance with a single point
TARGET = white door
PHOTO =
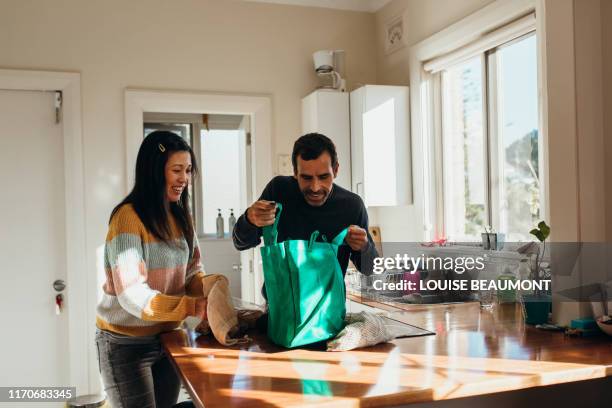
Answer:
(34, 345)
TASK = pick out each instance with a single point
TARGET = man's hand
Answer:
(261, 213)
(357, 238)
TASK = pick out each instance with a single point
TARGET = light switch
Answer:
(284, 165)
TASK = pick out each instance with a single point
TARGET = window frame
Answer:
(491, 159)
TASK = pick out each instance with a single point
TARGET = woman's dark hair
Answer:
(148, 197)
(311, 146)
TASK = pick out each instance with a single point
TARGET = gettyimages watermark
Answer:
(463, 285)
(413, 265)
(416, 273)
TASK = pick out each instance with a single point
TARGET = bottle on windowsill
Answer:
(220, 229)
(231, 221)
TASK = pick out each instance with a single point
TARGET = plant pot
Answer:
(537, 308)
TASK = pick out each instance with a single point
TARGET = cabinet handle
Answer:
(357, 188)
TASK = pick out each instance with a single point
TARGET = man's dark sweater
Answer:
(299, 219)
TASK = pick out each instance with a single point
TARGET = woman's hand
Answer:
(203, 327)
(201, 304)
(200, 309)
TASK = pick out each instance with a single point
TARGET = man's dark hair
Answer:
(311, 146)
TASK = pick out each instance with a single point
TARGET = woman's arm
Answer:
(195, 272)
(124, 254)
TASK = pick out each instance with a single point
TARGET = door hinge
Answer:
(248, 138)
(58, 106)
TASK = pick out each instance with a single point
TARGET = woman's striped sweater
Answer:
(151, 286)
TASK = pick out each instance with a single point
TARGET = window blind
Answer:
(495, 38)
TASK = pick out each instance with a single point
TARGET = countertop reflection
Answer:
(474, 352)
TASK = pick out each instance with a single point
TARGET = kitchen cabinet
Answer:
(327, 111)
(380, 145)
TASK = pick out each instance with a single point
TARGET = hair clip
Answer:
(161, 148)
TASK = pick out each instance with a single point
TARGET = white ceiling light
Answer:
(356, 5)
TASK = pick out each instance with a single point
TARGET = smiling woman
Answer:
(178, 174)
(152, 265)
(154, 278)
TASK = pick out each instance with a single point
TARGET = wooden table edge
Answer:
(187, 384)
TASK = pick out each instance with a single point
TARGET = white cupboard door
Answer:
(357, 164)
(34, 348)
(327, 112)
(380, 143)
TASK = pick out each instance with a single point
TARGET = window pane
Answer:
(518, 144)
(221, 175)
(464, 151)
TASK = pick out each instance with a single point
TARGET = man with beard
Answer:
(311, 201)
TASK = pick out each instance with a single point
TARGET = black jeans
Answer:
(136, 371)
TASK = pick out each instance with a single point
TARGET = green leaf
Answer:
(545, 229)
(538, 234)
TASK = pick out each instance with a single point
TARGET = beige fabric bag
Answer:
(221, 315)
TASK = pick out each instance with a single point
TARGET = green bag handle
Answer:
(313, 238)
(339, 239)
(270, 232)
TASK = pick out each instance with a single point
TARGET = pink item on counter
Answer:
(412, 277)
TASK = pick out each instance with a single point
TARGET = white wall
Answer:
(194, 45)
(606, 46)
(421, 20)
(589, 120)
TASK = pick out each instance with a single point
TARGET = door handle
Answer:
(59, 285)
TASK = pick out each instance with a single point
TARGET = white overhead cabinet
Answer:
(327, 112)
(370, 129)
(380, 145)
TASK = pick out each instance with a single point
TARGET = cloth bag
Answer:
(221, 315)
(305, 287)
(362, 330)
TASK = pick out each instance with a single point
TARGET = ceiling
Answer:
(356, 5)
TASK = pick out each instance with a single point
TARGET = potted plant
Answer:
(536, 305)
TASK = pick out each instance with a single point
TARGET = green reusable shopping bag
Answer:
(305, 288)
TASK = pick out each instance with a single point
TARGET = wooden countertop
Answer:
(473, 353)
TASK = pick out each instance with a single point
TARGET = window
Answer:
(491, 147)
(517, 171)
(464, 166)
(222, 167)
